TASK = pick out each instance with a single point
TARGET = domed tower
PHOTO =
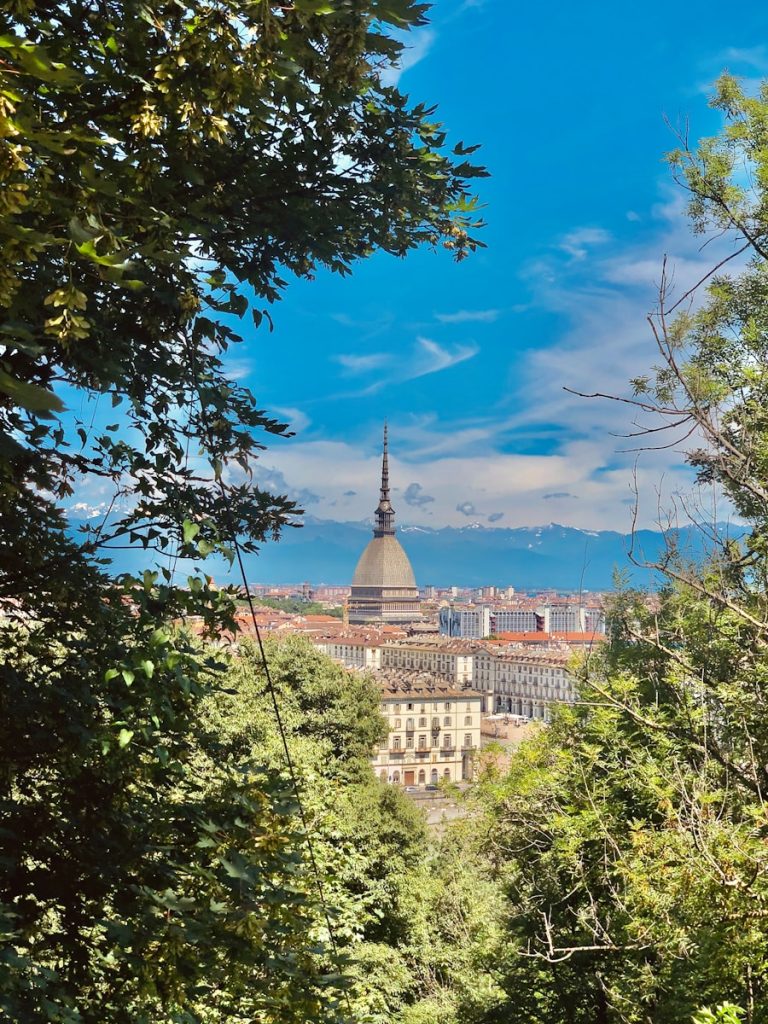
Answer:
(383, 587)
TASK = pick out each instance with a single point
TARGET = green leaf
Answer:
(124, 737)
(189, 531)
(32, 397)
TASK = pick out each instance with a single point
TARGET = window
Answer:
(409, 741)
(396, 777)
(422, 723)
(468, 740)
(468, 720)
(435, 723)
(447, 774)
(447, 720)
(447, 741)
(448, 706)
(409, 707)
(409, 725)
(397, 709)
(433, 776)
(398, 723)
(422, 777)
(422, 742)
(469, 706)
(423, 708)
(396, 743)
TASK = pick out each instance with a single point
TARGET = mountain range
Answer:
(528, 558)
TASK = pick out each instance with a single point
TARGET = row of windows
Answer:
(423, 707)
(423, 722)
(448, 742)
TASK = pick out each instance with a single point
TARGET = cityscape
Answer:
(458, 669)
(383, 512)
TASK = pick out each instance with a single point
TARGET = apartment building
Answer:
(523, 682)
(352, 652)
(434, 731)
(469, 621)
(451, 660)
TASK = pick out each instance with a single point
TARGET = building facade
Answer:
(452, 660)
(523, 683)
(472, 621)
(434, 732)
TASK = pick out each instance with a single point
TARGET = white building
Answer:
(352, 652)
(471, 621)
(434, 731)
(525, 683)
(514, 620)
(452, 660)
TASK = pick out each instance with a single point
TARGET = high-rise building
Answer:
(383, 587)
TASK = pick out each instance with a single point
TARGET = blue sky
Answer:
(468, 361)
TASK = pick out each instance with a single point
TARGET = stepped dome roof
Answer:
(384, 564)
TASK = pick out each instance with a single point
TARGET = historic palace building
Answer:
(383, 587)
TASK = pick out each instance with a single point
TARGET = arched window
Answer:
(422, 777)
(446, 740)
(396, 777)
(433, 776)
(447, 774)
(396, 743)
(383, 774)
(468, 720)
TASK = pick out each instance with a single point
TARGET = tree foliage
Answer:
(165, 170)
(631, 836)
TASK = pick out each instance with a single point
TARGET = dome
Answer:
(384, 564)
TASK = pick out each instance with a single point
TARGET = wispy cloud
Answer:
(577, 243)
(417, 45)
(753, 56)
(356, 364)
(297, 419)
(463, 316)
(430, 357)
(426, 357)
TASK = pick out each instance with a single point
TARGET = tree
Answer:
(164, 170)
(631, 836)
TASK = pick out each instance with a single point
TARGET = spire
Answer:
(385, 514)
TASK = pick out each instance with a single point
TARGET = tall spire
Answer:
(385, 514)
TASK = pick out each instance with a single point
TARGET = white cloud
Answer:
(297, 419)
(355, 364)
(463, 316)
(417, 45)
(430, 357)
(577, 243)
(426, 357)
(753, 56)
